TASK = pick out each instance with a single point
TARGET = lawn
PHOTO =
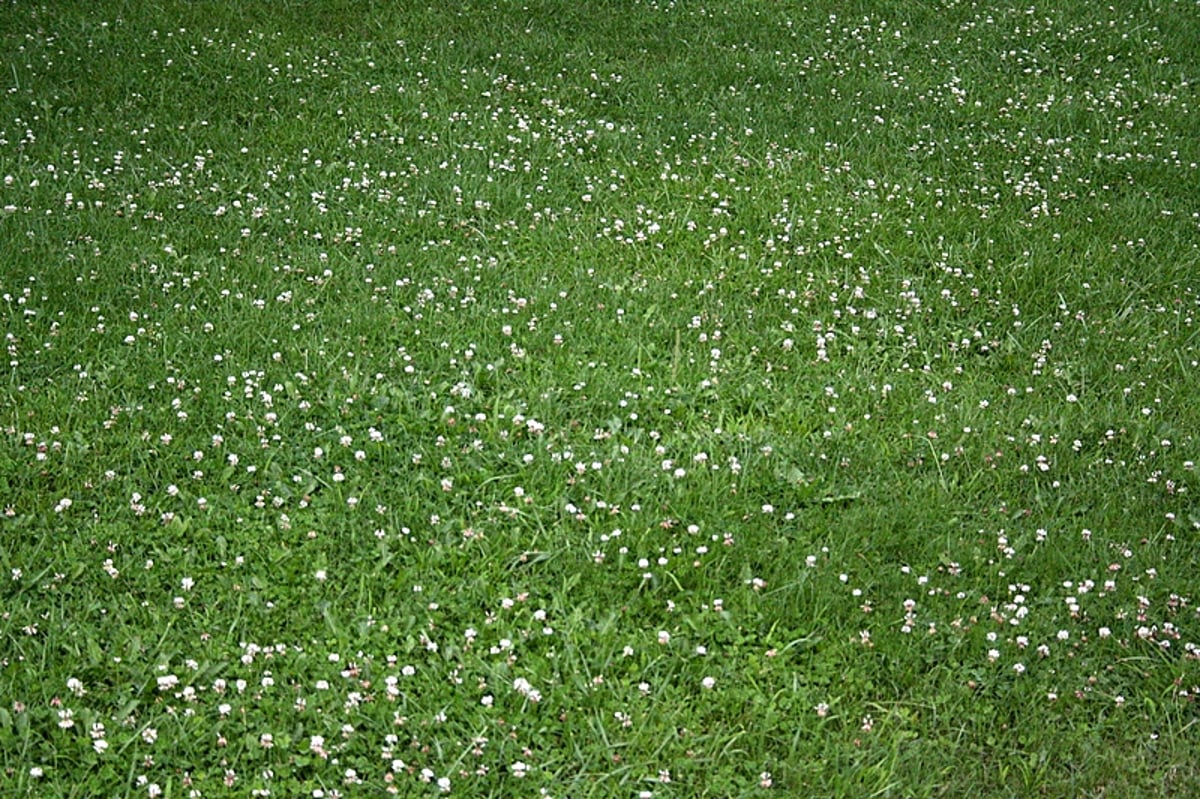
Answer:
(573, 400)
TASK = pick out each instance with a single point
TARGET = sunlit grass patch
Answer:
(611, 399)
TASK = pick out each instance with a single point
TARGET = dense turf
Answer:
(600, 399)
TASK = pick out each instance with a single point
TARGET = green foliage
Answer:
(599, 399)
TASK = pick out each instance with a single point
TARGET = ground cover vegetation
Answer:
(605, 399)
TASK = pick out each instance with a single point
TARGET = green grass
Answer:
(607, 399)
